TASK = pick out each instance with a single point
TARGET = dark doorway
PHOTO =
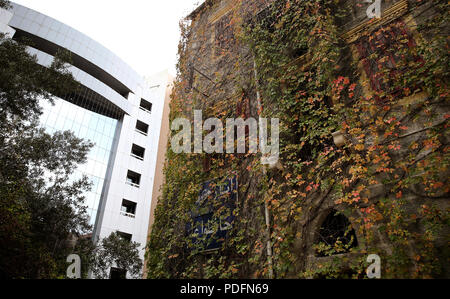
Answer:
(117, 273)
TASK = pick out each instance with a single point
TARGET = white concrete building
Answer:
(116, 109)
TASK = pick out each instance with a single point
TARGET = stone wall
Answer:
(218, 72)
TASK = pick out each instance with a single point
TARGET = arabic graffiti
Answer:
(218, 198)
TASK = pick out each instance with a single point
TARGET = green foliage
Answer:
(115, 251)
(5, 4)
(41, 207)
(313, 81)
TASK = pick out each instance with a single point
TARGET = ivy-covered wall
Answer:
(363, 108)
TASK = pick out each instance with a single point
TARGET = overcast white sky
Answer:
(144, 33)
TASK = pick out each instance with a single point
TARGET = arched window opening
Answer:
(335, 236)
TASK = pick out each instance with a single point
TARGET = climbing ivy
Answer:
(390, 179)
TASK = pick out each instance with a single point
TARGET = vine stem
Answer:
(266, 206)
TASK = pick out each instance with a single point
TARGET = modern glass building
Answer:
(116, 109)
(95, 127)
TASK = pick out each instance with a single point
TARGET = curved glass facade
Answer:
(99, 129)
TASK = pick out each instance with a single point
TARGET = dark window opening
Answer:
(128, 208)
(224, 35)
(133, 178)
(328, 102)
(335, 236)
(142, 127)
(146, 106)
(298, 52)
(125, 236)
(117, 273)
(137, 152)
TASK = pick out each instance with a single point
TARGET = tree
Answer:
(41, 207)
(117, 252)
(4, 4)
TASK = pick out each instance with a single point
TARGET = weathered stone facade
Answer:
(217, 73)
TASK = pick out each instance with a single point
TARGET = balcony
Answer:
(129, 215)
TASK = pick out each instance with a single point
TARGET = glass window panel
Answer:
(68, 124)
(83, 132)
(89, 126)
(76, 128)
(59, 123)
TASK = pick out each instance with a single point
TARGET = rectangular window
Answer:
(385, 54)
(224, 35)
(125, 236)
(138, 152)
(142, 127)
(128, 208)
(146, 106)
(133, 179)
(116, 273)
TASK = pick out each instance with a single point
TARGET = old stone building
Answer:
(363, 168)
